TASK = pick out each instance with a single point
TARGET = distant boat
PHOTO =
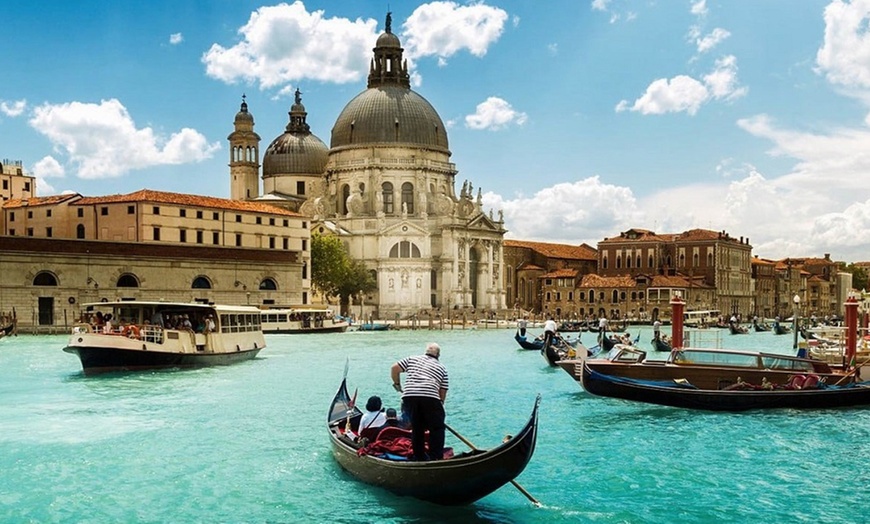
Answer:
(373, 326)
(534, 344)
(659, 344)
(780, 329)
(301, 320)
(137, 342)
(737, 329)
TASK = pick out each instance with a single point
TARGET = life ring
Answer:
(131, 331)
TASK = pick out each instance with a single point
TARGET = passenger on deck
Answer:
(373, 417)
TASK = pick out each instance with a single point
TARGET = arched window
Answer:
(581, 296)
(127, 280)
(80, 231)
(604, 262)
(268, 284)
(650, 261)
(345, 194)
(682, 260)
(696, 260)
(628, 261)
(387, 192)
(201, 283)
(614, 297)
(404, 249)
(618, 262)
(591, 296)
(408, 197)
(709, 259)
(44, 278)
(638, 261)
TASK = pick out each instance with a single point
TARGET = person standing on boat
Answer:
(549, 331)
(522, 324)
(423, 397)
(657, 330)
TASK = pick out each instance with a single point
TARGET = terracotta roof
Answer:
(643, 235)
(669, 281)
(148, 195)
(561, 273)
(528, 266)
(564, 251)
(600, 281)
(38, 201)
(763, 262)
(701, 234)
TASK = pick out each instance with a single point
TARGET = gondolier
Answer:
(423, 396)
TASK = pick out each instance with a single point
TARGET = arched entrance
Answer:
(473, 269)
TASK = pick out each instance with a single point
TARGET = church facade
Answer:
(386, 185)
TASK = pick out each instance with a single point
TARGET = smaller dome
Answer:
(243, 115)
(291, 154)
(388, 40)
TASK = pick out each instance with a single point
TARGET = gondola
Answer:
(459, 480)
(606, 342)
(534, 344)
(780, 329)
(760, 327)
(682, 394)
(552, 355)
(660, 345)
(737, 329)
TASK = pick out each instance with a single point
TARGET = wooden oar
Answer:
(514, 482)
(847, 375)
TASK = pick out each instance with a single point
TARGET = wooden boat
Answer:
(660, 345)
(780, 329)
(535, 344)
(138, 342)
(373, 326)
(705, 368)
(737, 329)
(683, 394)
(461, 479)
(760, 327)
(301, 320)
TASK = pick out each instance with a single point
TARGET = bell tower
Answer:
(244, 156)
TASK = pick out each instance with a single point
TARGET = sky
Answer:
(579, 119)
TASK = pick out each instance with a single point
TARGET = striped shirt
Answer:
(426, 376)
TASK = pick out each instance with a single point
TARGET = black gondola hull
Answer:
(455, 481)
(524, 343)
(723, 400)
(101, 360)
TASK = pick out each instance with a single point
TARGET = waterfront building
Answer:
(14, 182)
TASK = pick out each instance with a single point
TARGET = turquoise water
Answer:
(247, 443)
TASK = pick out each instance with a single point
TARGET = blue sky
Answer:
(578, 119)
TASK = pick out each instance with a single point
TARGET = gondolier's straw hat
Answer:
(433, 350)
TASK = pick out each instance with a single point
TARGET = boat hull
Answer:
(723, 400)
(456, 481)
(534, 345)
(337, 328)
(97, 360)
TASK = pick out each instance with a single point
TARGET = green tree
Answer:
(335, 274)
(860, 278)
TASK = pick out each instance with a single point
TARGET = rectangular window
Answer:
(238, 240)
(286, 222)
(155, 210)
(104, 211)
(304, 244)
(271, 242)
(286, 243)
(30, 231)
(12, 232)
(12, 216)
(259, 220)
(80, 212)
(30, 214)
(216, 238)
(199, 237)
(300, 188)
(5, 184)
(199, 214)
(304, 225)
(182, 235)
(215, 216)
(131, 210)
(271, 221)
(182, 212)
(27, 186)
(48, 213)
(238, 218)
(156, 233)
(48, 232)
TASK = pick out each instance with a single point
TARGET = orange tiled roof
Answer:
(643, 235)
(763, 262)
(561, 273)
(38, 201)
(148, 195)
(528, 266)
(564, 251)
(669, 281)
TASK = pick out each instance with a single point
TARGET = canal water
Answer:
(247, 443)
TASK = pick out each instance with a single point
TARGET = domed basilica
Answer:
(386, 185)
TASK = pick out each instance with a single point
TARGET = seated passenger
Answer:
(392, 419)
(372, 419)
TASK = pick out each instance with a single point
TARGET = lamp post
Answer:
(797, 303)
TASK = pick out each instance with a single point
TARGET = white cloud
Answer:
(13, 109)
(285, 43)
(103, 142)
(600, 5)
(443, 29)
(495, 113)
(48, 167)
(699, 8)
(583, 211)
(684, 93)
(712, 39)
(176, 38)
(844, 57)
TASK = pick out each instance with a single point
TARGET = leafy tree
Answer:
(334, 273)
(860, 278)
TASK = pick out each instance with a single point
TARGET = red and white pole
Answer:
(677, 307)
(851, 307)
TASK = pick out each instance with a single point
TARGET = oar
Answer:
(852, 372)
(514, 482)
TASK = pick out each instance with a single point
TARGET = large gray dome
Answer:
(389, 115)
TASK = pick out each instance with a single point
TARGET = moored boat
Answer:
(738, 397)
(535, 344)
(659, 344)
(301, 320)
(373, 326)
(458, 480)
(154, 335)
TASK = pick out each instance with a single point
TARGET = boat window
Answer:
(719, 358)
(786, 363)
